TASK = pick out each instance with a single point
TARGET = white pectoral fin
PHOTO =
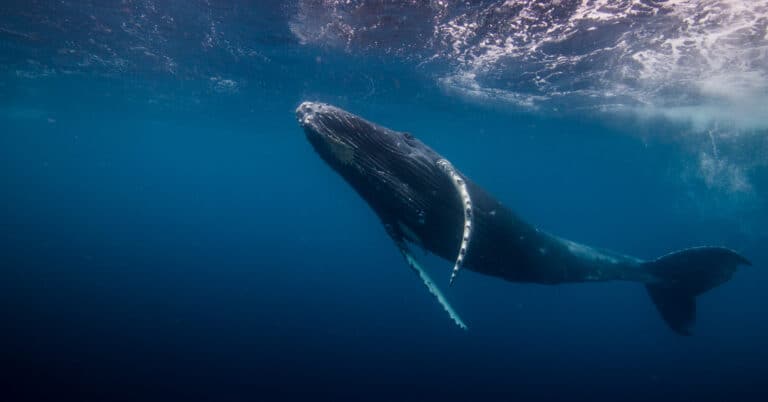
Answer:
(416, 267)
(466, 205)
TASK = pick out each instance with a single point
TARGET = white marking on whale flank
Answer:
(466, 204)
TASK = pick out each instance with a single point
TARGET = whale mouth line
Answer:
(342, 151)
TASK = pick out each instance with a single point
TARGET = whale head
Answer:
(342, 138)
(393, 171)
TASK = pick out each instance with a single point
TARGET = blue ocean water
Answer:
(169, 234)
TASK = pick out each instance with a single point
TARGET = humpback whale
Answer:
(423, 200)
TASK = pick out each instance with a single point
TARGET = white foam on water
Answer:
(701, 63)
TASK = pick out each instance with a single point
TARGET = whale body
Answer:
(422, 199)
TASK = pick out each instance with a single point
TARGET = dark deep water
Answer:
(167, 233)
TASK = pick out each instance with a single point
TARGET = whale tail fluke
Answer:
(685, 274)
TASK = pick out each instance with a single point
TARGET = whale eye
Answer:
(409, 139)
